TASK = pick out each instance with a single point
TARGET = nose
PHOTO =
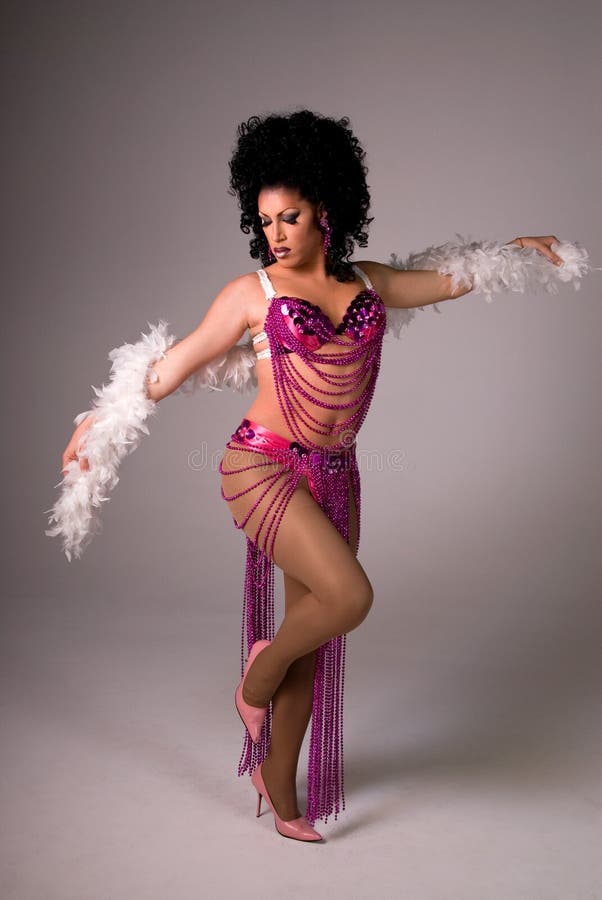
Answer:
(277, 233)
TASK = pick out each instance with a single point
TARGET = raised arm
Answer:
(410, 287)
(405, 289)
(449, 271)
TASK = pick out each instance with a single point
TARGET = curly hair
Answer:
(318, 156)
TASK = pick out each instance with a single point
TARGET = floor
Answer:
(119, 752)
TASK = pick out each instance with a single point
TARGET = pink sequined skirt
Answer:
(331, 473)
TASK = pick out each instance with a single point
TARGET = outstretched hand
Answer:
(73, 451)
(542, 244)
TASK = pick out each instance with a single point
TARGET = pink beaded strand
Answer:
(288, 378)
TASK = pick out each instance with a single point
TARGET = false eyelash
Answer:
(288, 222)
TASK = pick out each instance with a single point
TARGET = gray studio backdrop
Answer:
(480, 456)
(123, 120)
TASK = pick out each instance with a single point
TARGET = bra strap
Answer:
(268, 287)
(363, 276)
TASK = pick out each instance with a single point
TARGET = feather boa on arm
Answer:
(491, 267)
(120, 411)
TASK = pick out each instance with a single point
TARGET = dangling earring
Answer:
(327, 231)
(271, 256)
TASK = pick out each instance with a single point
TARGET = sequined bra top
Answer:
(308, 377)
(312, 327)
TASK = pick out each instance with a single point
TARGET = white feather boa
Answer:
(491, 267)
(120, 409)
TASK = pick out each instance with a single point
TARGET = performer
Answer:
(289, 471)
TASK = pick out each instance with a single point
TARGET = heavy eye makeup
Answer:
(290, 219)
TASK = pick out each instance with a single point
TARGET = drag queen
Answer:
(289, 473)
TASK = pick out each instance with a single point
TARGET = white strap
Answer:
(363, 276)
(264, 354)
(268, 287)
(261, 336)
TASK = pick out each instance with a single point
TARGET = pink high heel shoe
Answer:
(299, 829)
(253, 717)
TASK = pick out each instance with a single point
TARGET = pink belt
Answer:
(292, 453)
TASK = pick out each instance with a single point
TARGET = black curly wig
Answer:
(316, 155)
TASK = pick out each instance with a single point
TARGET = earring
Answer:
(271, 256)
(327, 232)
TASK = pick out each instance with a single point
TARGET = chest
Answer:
(297, 325)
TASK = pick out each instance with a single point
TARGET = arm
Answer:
(142, 374)
(452, 270)
(213, 339)
(404, 289)
(449, 271)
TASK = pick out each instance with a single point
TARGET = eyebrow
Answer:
(280, 213)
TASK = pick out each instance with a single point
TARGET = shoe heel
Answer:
(299, 829)
(258, 813)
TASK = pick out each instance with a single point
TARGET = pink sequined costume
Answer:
(306, 381)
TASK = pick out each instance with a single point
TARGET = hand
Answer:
(71, 451)
(542, 245)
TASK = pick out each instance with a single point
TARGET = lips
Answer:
(281, 251)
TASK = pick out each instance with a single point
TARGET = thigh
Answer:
(295, 590)
(252, 484)
(276, 510)
(313, 554)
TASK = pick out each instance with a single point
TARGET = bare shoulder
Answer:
(242, 285)
(246, 294)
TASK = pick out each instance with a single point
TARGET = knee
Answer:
(357, 602)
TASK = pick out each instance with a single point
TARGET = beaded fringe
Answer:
(325, 771)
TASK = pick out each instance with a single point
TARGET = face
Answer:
(288, 220)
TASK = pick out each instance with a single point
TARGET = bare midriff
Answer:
(265, 408)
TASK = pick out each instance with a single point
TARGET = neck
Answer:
(313, 270)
